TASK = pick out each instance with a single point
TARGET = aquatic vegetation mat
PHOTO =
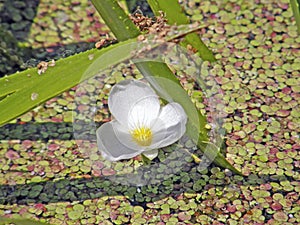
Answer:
(44, 175)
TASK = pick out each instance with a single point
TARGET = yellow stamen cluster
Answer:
(142, 136)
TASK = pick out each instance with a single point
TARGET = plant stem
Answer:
(175, 16)
(296, 10)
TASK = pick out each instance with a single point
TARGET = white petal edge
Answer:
(151, 154)
(170, 125)
(129, 94)
(110, 146)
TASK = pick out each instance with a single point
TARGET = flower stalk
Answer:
(295, 4)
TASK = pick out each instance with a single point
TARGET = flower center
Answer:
(142, 136)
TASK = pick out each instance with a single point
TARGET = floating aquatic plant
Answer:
(140, 124)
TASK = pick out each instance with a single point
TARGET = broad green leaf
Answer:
(175, 15)
(112, 14)
(295, 4)
(25, 90)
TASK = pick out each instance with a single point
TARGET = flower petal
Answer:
(123, 135)
(151, 154)
(134, 99)
(170, 126)
(110, 146)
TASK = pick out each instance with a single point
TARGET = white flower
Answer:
(140, 124)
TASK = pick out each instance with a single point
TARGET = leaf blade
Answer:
(16, 93)
(175, 15)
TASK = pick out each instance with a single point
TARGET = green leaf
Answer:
(4, 221)
(25, 90)
(117, 20)
(213, 153)
(175, 15)
(296, 10)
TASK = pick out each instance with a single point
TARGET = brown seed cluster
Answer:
(160, 24)
(105, 42)
(43, 66)
(157, 27)
(151, 25)
(141, 21)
